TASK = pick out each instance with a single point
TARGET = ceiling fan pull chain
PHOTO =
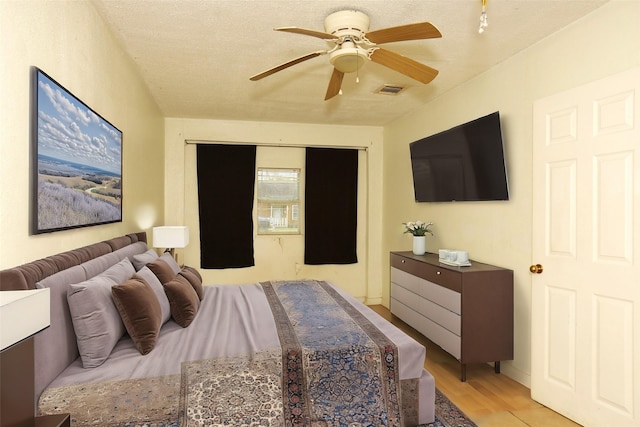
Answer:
(483, 18)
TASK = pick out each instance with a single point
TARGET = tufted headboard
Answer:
(27, 275)
(55, 347)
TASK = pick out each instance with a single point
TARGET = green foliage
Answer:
(418, 228)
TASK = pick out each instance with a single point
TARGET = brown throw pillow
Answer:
(183, 300)
(162, 270)
(140, 312)
(194, 271)
(194, 279)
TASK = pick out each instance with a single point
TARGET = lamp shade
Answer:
(171, 236)
(22, 314)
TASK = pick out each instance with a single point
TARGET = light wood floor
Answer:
(489, 399)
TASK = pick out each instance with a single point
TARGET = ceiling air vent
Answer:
(390, 90)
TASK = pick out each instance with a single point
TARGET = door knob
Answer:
(536, 268)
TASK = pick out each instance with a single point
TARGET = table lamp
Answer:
(170, 237)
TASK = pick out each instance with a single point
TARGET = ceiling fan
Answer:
(349, 31)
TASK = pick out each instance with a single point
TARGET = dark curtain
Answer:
(331, 206)
(226, 176)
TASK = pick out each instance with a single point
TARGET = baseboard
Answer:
(507, 368)
(374, 301)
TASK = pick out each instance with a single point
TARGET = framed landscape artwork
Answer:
(76, 161)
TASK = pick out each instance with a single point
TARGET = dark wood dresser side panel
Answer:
(487, 323)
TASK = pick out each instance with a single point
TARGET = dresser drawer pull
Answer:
(403, 261)
(438, 273)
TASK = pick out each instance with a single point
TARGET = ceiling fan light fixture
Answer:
(353, 43)
(347, 23)
(349, 59)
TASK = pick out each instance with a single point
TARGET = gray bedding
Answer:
(234, 322)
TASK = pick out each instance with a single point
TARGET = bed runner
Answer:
(338, 369)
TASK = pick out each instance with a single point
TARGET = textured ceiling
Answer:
(196, 56)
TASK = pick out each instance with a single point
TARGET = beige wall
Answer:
(500, 233)
(69, 41)
(281, 257)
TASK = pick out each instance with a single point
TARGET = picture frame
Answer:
(76, 161)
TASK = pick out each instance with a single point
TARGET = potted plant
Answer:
(419, 230)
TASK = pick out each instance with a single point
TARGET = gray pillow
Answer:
(148, 276)
(95, 318)
(120, 272)
(143, 259)
(131, 250)
(166, 257)
(96, 266)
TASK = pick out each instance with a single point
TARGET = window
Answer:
(278, 201)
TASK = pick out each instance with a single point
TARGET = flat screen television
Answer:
(464, 163)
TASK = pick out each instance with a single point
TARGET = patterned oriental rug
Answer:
(448, 414)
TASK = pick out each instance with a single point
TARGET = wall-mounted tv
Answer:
(464, 163)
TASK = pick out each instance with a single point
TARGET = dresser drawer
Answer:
(438, 294)
(447, 340)
(432, 311)
(441, 275)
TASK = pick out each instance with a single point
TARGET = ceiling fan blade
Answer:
(287, 65)
(334, 84)
(306, 32)
(418, 31)
(404, 65)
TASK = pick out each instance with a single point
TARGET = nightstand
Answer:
(27, 312)
(17, 390)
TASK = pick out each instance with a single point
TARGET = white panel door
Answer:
(586, 208)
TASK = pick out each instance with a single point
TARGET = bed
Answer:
(130, 345)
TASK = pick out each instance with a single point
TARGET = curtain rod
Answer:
(271, 144)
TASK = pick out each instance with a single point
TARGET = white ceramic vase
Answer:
(419, 245)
